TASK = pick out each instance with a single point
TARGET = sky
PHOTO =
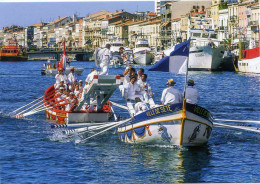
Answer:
(28, 13)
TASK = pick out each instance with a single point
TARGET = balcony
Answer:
(253, 23)
(222, 28)
(233, 18)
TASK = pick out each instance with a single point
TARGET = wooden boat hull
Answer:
(169, 125)
(71, 117)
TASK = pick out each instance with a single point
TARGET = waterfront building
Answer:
(233, 28)
(215, 6)
(176, 31)
(28, 36)
(150, 30)
(157, 7)
(254, 24)
(223, 24)
(181, 7)
(165, 32)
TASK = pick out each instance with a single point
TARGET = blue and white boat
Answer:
(180, 124)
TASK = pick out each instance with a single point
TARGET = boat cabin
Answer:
(142, 43)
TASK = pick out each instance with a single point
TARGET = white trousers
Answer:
(104, 68)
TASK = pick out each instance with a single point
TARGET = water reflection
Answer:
(174, 164)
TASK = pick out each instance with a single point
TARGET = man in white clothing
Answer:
(128, 73)
(192, 94)
(170, 95)
(132, 89)
(91, 75)
(140, 72)
(145, 88)
(106, 57)
(72, 78)
(60, 77)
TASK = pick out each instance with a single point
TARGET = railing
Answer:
(222, 28)
(253, 23)
(233, 18)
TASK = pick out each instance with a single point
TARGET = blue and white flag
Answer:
(176, 62)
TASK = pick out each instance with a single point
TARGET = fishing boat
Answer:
(12, 53)
(250, 63)
(51, 67)
(142, 53)
(115, 45)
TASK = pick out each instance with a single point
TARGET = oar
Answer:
(250, 129)
(29, 108)
(27, 104)
(113, 126)
(240, 121)
(118, 105)
(91, 128)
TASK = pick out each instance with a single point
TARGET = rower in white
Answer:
(132, 89)
(170, 95)
(72, 78)
(105, 60)
(145, 88)
(61, 76)
(192, 94)
(129, 71)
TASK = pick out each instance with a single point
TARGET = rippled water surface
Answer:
(30, 154)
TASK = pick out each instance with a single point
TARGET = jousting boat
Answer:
(94, 107)
(178, 124)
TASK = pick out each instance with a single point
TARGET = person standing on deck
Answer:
(170, 95)
(72, 78)
(61, 77)
(192, 94)
(106, 57)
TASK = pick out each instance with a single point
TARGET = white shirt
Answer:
(126, 77)
(142, 84)
(171, 95)
(192, 95)
(131, 89)
(72, 78)
(106, 56)
(60, 77)
(91, 76)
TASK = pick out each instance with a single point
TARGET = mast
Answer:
(187, 65)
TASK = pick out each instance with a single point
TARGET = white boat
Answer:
(115, 45)
(205, 51)
(250, 62)
(142, 53)
(50, 68)
(179, 124)
(96, 110)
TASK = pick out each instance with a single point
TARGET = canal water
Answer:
(29, 153)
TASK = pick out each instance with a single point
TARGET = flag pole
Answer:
(187, 65)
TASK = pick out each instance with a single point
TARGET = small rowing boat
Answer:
(178, 124)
